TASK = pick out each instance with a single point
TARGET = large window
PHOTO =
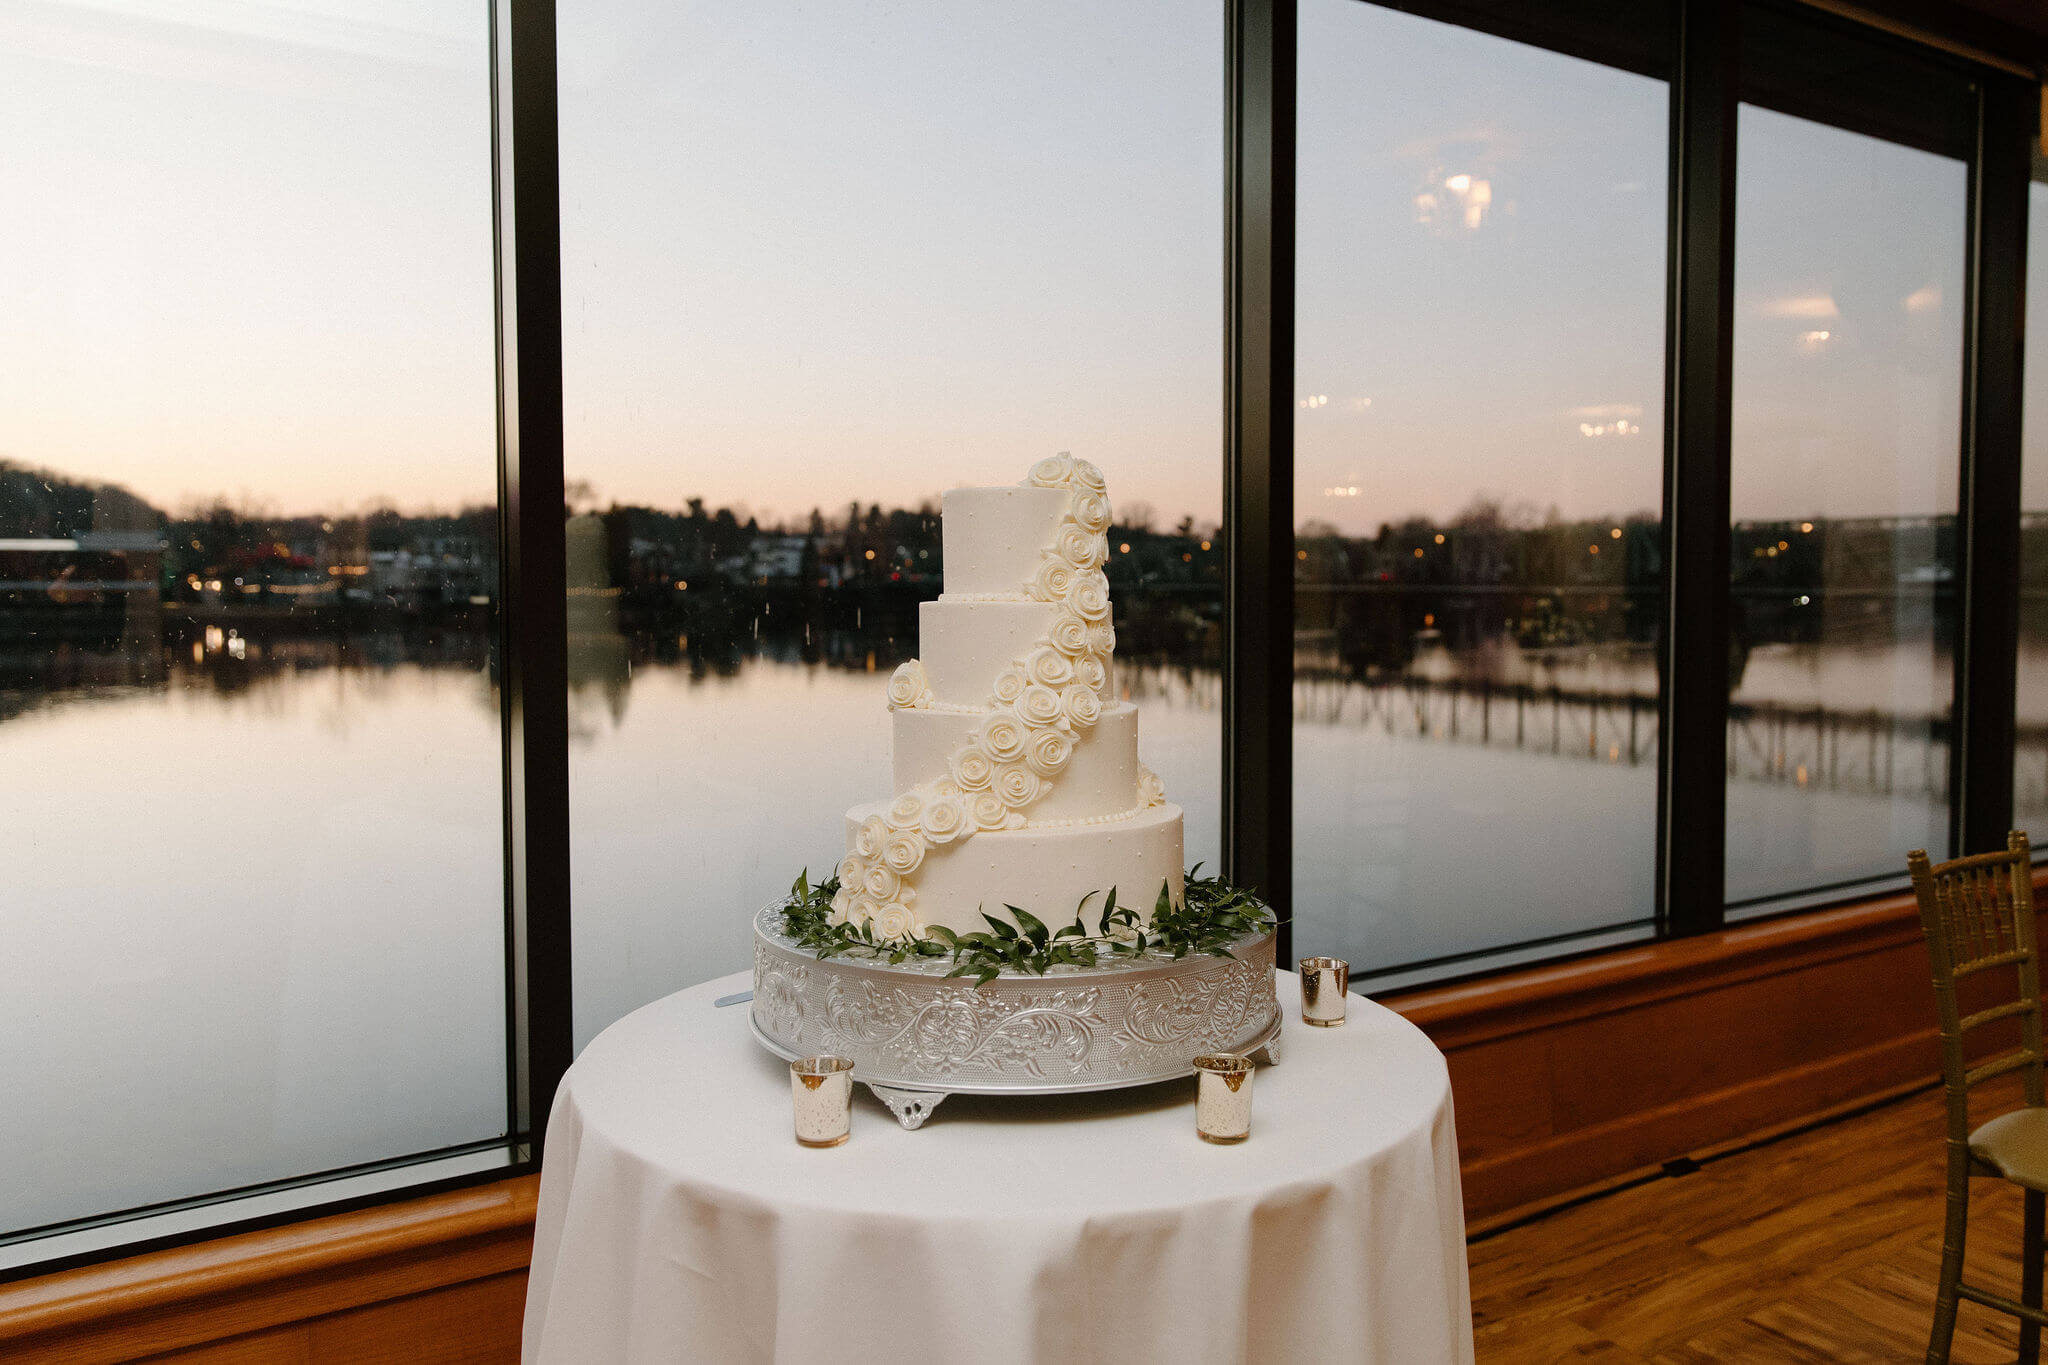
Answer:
(282, 689)
(1849, 279)
(2030, 749)
(822, 263)
(251, 860)
(1479, 477)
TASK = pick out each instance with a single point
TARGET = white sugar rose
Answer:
(1002, 738)
(1102, 638)
(908, 686)
(860, 909)
(1080, 549)
(1090, 597)
(1069, 633)
(945, 786)
(944, 819)
(1054, 581)
(879, 882)
(1081, 705)
(904, 813)
(850, 868)
(842, 903)
(1053, 471)
(1018, 786)
(867, 840)
(1009, 683)
(1091, 512)
(1151, 791)
(988, 810)
(1050, 667)
(1093, 672)
(894, 919)
(1048, 752)
(1039, 705)
(1087, 476)
(903, 851)
(972, 770)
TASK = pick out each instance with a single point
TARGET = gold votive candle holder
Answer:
(1324, 982)
(1223, 1097)
(821, 1090)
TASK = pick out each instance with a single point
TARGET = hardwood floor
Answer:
(1822, 1246)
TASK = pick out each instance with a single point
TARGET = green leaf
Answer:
(1002, 930)
(1033, 927)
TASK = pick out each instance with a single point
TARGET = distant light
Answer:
(682, 585)
(1187, 559)
(1784, 544)
(1123, 547)
(1303, 554)
(1458, 183)
(1429, 618)
(870, 554)
(1592, 549)
(1418, 552)
(1806, 527)
(1615, 533)
(1439, 537)
(1205, 544)
(1804, 600)
(1814, 338)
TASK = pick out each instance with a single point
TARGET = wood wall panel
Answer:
(1578, 1073)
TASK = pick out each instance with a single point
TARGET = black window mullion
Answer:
(1988, 512)
(1692, 757)
(1258, 494)
(534, 610)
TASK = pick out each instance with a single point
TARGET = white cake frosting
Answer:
(1016, 772)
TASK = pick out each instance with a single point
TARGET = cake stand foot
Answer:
(911, 1107)
(1270, 1049)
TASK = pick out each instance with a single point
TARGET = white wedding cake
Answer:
(1017, 778)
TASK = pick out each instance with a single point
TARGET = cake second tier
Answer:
(1046, 870)
(1100, 780)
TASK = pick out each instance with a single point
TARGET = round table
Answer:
(679, 1219)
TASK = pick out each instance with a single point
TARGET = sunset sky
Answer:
(816, 252)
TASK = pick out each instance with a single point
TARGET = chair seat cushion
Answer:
(2015, 1146)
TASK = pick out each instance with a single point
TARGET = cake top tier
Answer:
(994, 538)
(997, 541)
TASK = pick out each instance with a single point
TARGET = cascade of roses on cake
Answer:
(1037, 709)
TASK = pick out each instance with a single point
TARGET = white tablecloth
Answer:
(679, 1220)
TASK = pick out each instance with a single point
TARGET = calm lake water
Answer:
(256, 932)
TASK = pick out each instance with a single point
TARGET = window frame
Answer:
(1258, 320)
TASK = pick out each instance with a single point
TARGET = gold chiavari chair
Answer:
(1978, 913)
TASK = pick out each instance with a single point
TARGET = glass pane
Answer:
(1849, 255)
(821, 263)
(2030, 751)
(251, 821)
(1480, 340)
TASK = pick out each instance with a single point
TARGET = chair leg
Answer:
(2030, 1277)
(1953, 1232)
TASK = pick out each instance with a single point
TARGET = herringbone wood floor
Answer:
(1822, 1246)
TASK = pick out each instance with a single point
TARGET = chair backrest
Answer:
(1978, 913)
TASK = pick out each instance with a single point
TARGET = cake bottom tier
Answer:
(1046, 870)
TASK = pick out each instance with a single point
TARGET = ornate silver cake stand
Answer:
(917, 1036)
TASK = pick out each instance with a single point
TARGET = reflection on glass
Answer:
(250, 825)
(1480, 275)
(822, 263)
(2030, 752)
(1847, 392)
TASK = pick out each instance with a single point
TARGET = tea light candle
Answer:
(1324, 980)
(821, 1089)
(1223, 1097)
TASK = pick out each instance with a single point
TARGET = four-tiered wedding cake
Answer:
(1016, 770)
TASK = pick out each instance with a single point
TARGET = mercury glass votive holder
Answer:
(1223, 1097)
(821, 1089)
(1324, 981)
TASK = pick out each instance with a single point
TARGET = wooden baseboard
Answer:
(446, 1258)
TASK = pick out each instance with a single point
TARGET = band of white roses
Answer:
(1038, 708)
